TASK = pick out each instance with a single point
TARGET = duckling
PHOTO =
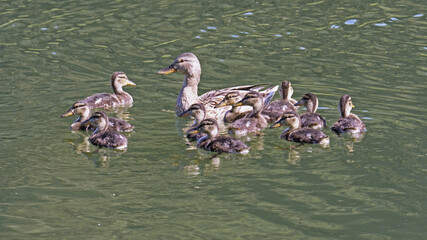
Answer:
(298, 134)
(189, 64)
(83, 111)
(213, 142)
(119, 98)
(102, 137)
(235, 112)
(348, 122)
(311, 118)
(198, 112)
(254, 122)
(276, 109)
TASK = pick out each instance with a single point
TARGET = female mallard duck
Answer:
(83, 111)
(102, 137)
(277, 108)
(198, 112)
(213, 142)
(254, 122)
(235, 112)
(311, 118)
(298, 134)
(348, 122)
(119, 98)
(188, 64)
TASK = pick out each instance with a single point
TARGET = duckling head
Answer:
(118, 80)
(208, 126)
(345, 106)
(310, 101)
(196, 110)
(252, 98)
(290, 119)
(230, 98)
(78, 108)
(99, 119)
(286, 90)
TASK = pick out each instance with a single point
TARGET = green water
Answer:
(54, 186)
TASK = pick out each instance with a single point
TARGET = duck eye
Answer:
(182, 60)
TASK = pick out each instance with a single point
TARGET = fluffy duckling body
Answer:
(311, 118)
(102, 137)
(119, 98)
(277, 108)
(213, 142)
(348, 122)
(189, 65)
(198, 112)
(254, 122)
(83, 111)
(235, 112)
(296, 133)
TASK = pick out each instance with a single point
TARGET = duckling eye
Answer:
(181, 60)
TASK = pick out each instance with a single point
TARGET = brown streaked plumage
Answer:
(311, 118)
(189, 65)
(213, 142)
(254, 122)
(277, 108)
(83, 111)
(298, 134)
(119, 98)
(348, 122)
(102, 137)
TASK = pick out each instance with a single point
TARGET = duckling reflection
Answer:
(311, 118)
(298, 134)
(83, 111)
(348, 122)
(111, 100)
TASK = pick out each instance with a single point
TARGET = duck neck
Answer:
(188, 94)
(312, 105)
(102, 125)
(257, 108)
(84, 114)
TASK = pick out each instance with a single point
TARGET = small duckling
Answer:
(298, 134)
(198, 112)
(213, 142)
(83, 111)
(119, 98)
(235, 112)
(273, 111)
(311, 118)
(254, 122)
(102, 137)
(348, 122)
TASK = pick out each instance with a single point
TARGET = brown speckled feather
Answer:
(304, 135)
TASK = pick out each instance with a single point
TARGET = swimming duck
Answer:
(103, 137)
(188, 64)
(198, 112)
(213, 142)
(254, 122)
(83, 111)
(298, 134)
(119, 98)
(311, 118)
(277, 108)
(235, 112)
(348, 122)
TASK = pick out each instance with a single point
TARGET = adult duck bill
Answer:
(167, 70)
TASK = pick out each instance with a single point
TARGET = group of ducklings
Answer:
(105, 129)
(248, 109)
(245, 109)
